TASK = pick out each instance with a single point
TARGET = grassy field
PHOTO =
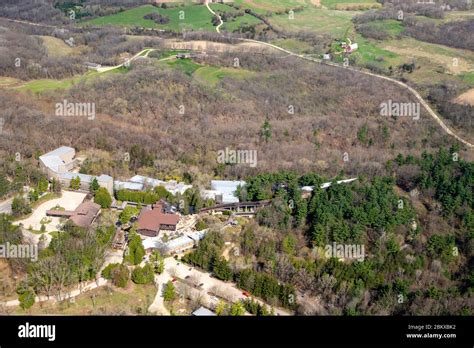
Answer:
(455, 61)
(316, 20)
(293, 45)
(234, 24)
(43, 85)
(369, 51)
(57, 47)
(334, 2)
(187, 66)
(264, 6)
(196, 17)
(9, 82)
(392, 27)
(131, 301)
(350, 4)
(211, 75)
(468, 77)
(37, 86)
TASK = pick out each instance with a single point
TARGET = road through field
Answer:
(218, 28)
(417, 95)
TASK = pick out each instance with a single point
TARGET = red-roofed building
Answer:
(152, 220)
(83, 216)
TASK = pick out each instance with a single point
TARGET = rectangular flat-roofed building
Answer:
(59, 163)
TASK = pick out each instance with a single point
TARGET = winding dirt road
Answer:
(218, 28)
(417, 95)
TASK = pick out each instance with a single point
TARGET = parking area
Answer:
(69, 201)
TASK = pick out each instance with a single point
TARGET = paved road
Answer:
(89, 286)
(69, 200)
(227, 290)
(112, 256)
(6, 206)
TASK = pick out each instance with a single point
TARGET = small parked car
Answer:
(246, 294)
(200, 285)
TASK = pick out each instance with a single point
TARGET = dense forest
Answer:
(416, 225)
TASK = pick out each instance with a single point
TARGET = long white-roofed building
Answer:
(171, 186)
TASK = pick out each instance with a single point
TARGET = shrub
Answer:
(169, 292)
(102, 197)
(127, 214)
(107, 272)
(201, 225)
(143, 275)
(120, 276)
(20, 206)
(135, 251)
(27, 299)
(157, 18)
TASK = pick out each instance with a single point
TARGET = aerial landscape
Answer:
(237, 158)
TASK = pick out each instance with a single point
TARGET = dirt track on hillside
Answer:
(212, 46)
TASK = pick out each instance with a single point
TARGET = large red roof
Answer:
(153, 219)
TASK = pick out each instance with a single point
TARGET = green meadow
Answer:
(189, 17)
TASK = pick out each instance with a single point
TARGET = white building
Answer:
(327, 184)
(176, 245)
(224, 191)
(59, 163)
(139, 183)
(203, 312)
(127, 185)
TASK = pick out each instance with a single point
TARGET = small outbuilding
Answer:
(203, 312)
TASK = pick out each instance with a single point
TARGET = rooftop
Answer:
(127, 185)
(53, 159)
(203, 311)
(226, 185)
(82, 216)
(86, 177)
(59, 151)
(152, 219)
(227, 188)
(172, 185)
